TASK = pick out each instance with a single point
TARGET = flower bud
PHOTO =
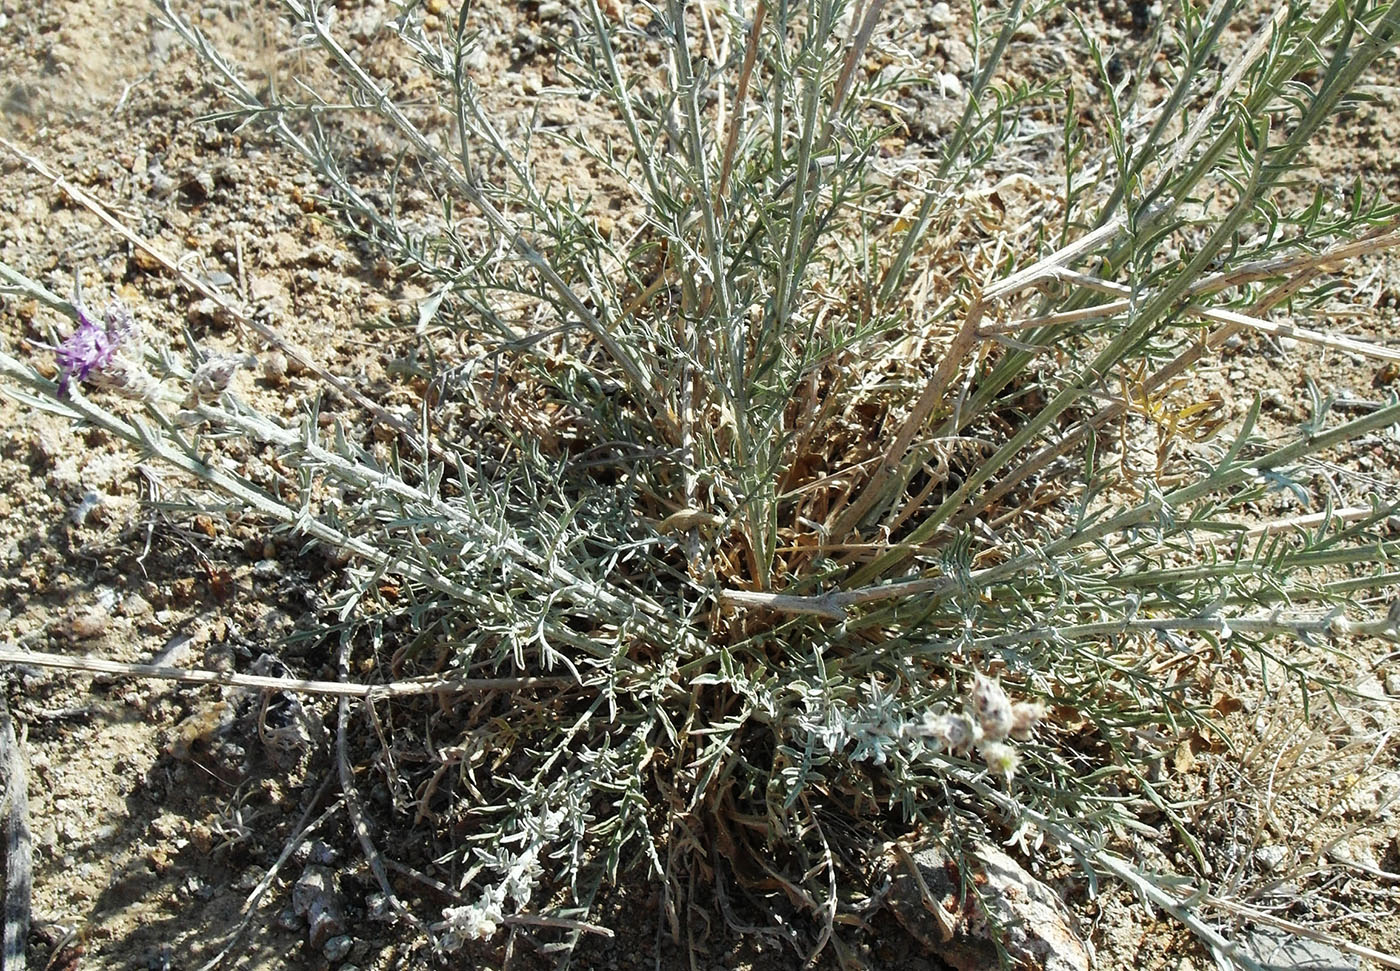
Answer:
(212, 379)
(991, 707)
(1025, 715)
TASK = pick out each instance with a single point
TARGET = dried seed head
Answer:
(991, 707)
(1025, 716)
(955, 733)
(120, 322)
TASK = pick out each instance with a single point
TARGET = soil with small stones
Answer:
(157, 809)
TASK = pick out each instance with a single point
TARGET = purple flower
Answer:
(90, 348)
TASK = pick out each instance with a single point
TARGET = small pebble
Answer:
(1392, 684)
(958, 56)
(134, 605)
(274, 367)
(337, 947)
(377, 907)
(1270, 858)
(1028, 30)
(93, 623)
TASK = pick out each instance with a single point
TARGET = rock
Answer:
(958, 56)
(314, 897)
(1278, 950)
(134, 605)
(206, 311)
(89, 624)
(1270, 858)
(928, 898)
(1028, 30)
(264, 287)
(337, 948)
(274, 367)
(940, 15)
(322, 852)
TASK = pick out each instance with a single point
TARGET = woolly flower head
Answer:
(475, 923)
(955, 733)
(93, 352)
(1025, 715)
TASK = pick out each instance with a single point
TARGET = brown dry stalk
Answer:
(854, 53)
(740, 100)
(929, 400)
(1303, 268)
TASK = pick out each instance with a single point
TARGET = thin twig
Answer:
(741, 100)
(530, 920)
(855, 51)
(393, 689)
(564, 923)
(304, 827)
(1302, 930)
(359, 820)
(1222, 316)
(1274, 526)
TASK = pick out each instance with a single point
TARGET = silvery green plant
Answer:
(817, 499)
